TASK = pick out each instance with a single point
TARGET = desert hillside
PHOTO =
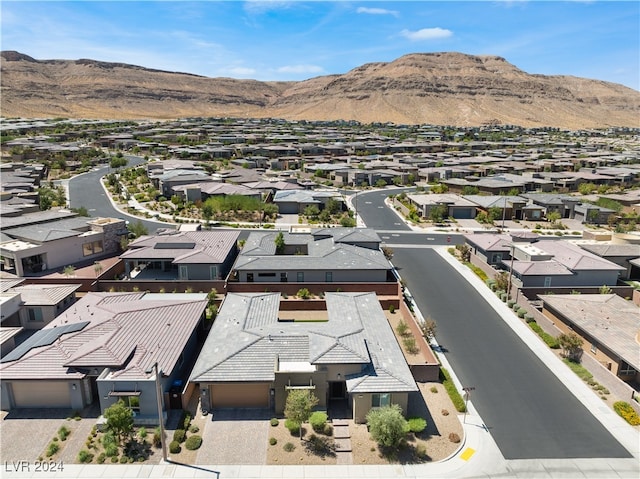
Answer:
(435, 88)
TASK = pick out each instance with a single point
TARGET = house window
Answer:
(35, 314)
(594, 348)
(213, 272)
(547, 281)
(626, 370)
(132, 402)
(92, 248)
(266, 275)
(328, 277)
(183, 272)
(496, 258)
(380, 400)
(249, 277)
(283, 277)
(300, 277)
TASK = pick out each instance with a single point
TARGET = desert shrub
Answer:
(328, 430)
(194, 429)
(274, 421)
(387, 426)
(289, 447)
(521, 313)
(101, 458)
(510, 303)
(416, 424)
(626, 412)
(392, 308)
(142, 432)
(529, 317)
(63, 433)
(402, 328)
(445, 412)
(303, 293)
(550, 340)
(114, 459)
(433, 389)
(503, 297)
(186, 420)
(52, 448)
(111, 450)
(410, 345)
(421, 451)
(84, 456)
(193, 442)
(179, 435)
(318, 420)
(453, 393)
(157, 438)
(453, 437)
(124, 460)
(174, 447)
(273, 441)
(292, 426)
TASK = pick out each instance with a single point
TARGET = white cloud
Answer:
(258, 7)
(377, 11)
(241, 71)
(435, 33)
(300, 69)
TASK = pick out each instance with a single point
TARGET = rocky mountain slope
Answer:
(435, 88)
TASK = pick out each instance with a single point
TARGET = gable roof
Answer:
(247, 342)
(44, 294)
(127, 332)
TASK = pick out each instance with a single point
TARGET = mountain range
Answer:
(420, 88)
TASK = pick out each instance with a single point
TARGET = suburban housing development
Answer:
(261, 277)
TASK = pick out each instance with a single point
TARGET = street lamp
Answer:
(154, 369)
(467, 392)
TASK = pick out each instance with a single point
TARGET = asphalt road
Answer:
(86, 190)
(529, 412)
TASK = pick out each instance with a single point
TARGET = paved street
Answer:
(528, 411)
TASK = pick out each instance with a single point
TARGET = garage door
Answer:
(254, 395)
(36, 394)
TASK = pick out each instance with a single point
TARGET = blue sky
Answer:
(296, 40)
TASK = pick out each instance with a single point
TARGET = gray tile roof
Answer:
(45, 294)
(259, 252)
(611, 320)
(611, 250)
(247, 340)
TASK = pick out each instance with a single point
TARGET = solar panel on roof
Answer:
(44, 337)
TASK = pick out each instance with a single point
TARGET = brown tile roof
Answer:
(127, 332)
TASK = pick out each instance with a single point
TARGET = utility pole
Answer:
(160, 415)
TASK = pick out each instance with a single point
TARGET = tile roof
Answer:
(128, 332)
(611, 320)
(45, 294)
(184, 247)
(247, 341)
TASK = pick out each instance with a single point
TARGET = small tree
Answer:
(279, 241)
(208, 211)
(97, 268)
(138, 229)
(387, 425)
(299, 405)
(428, 329)
(502, 281)
(571, 345)
(119, 420)
(553, 217)
(69, 271)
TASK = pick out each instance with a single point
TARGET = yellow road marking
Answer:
(468, 452)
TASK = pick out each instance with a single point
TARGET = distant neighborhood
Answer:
(262, 276)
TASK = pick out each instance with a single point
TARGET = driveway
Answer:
(235, 436)
(25, 433)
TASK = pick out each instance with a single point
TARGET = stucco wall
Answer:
(362, 405)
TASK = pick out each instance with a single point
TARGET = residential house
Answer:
(184, 255)
(564, 205)
(511, 207)
(201, 191)
(104, 349)
(620, 254)
(456, 206)
(549, 263)
(33, 306)
(326, 255)
(295, 201)
(608, 325)
(348, 354)
(52, 245)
